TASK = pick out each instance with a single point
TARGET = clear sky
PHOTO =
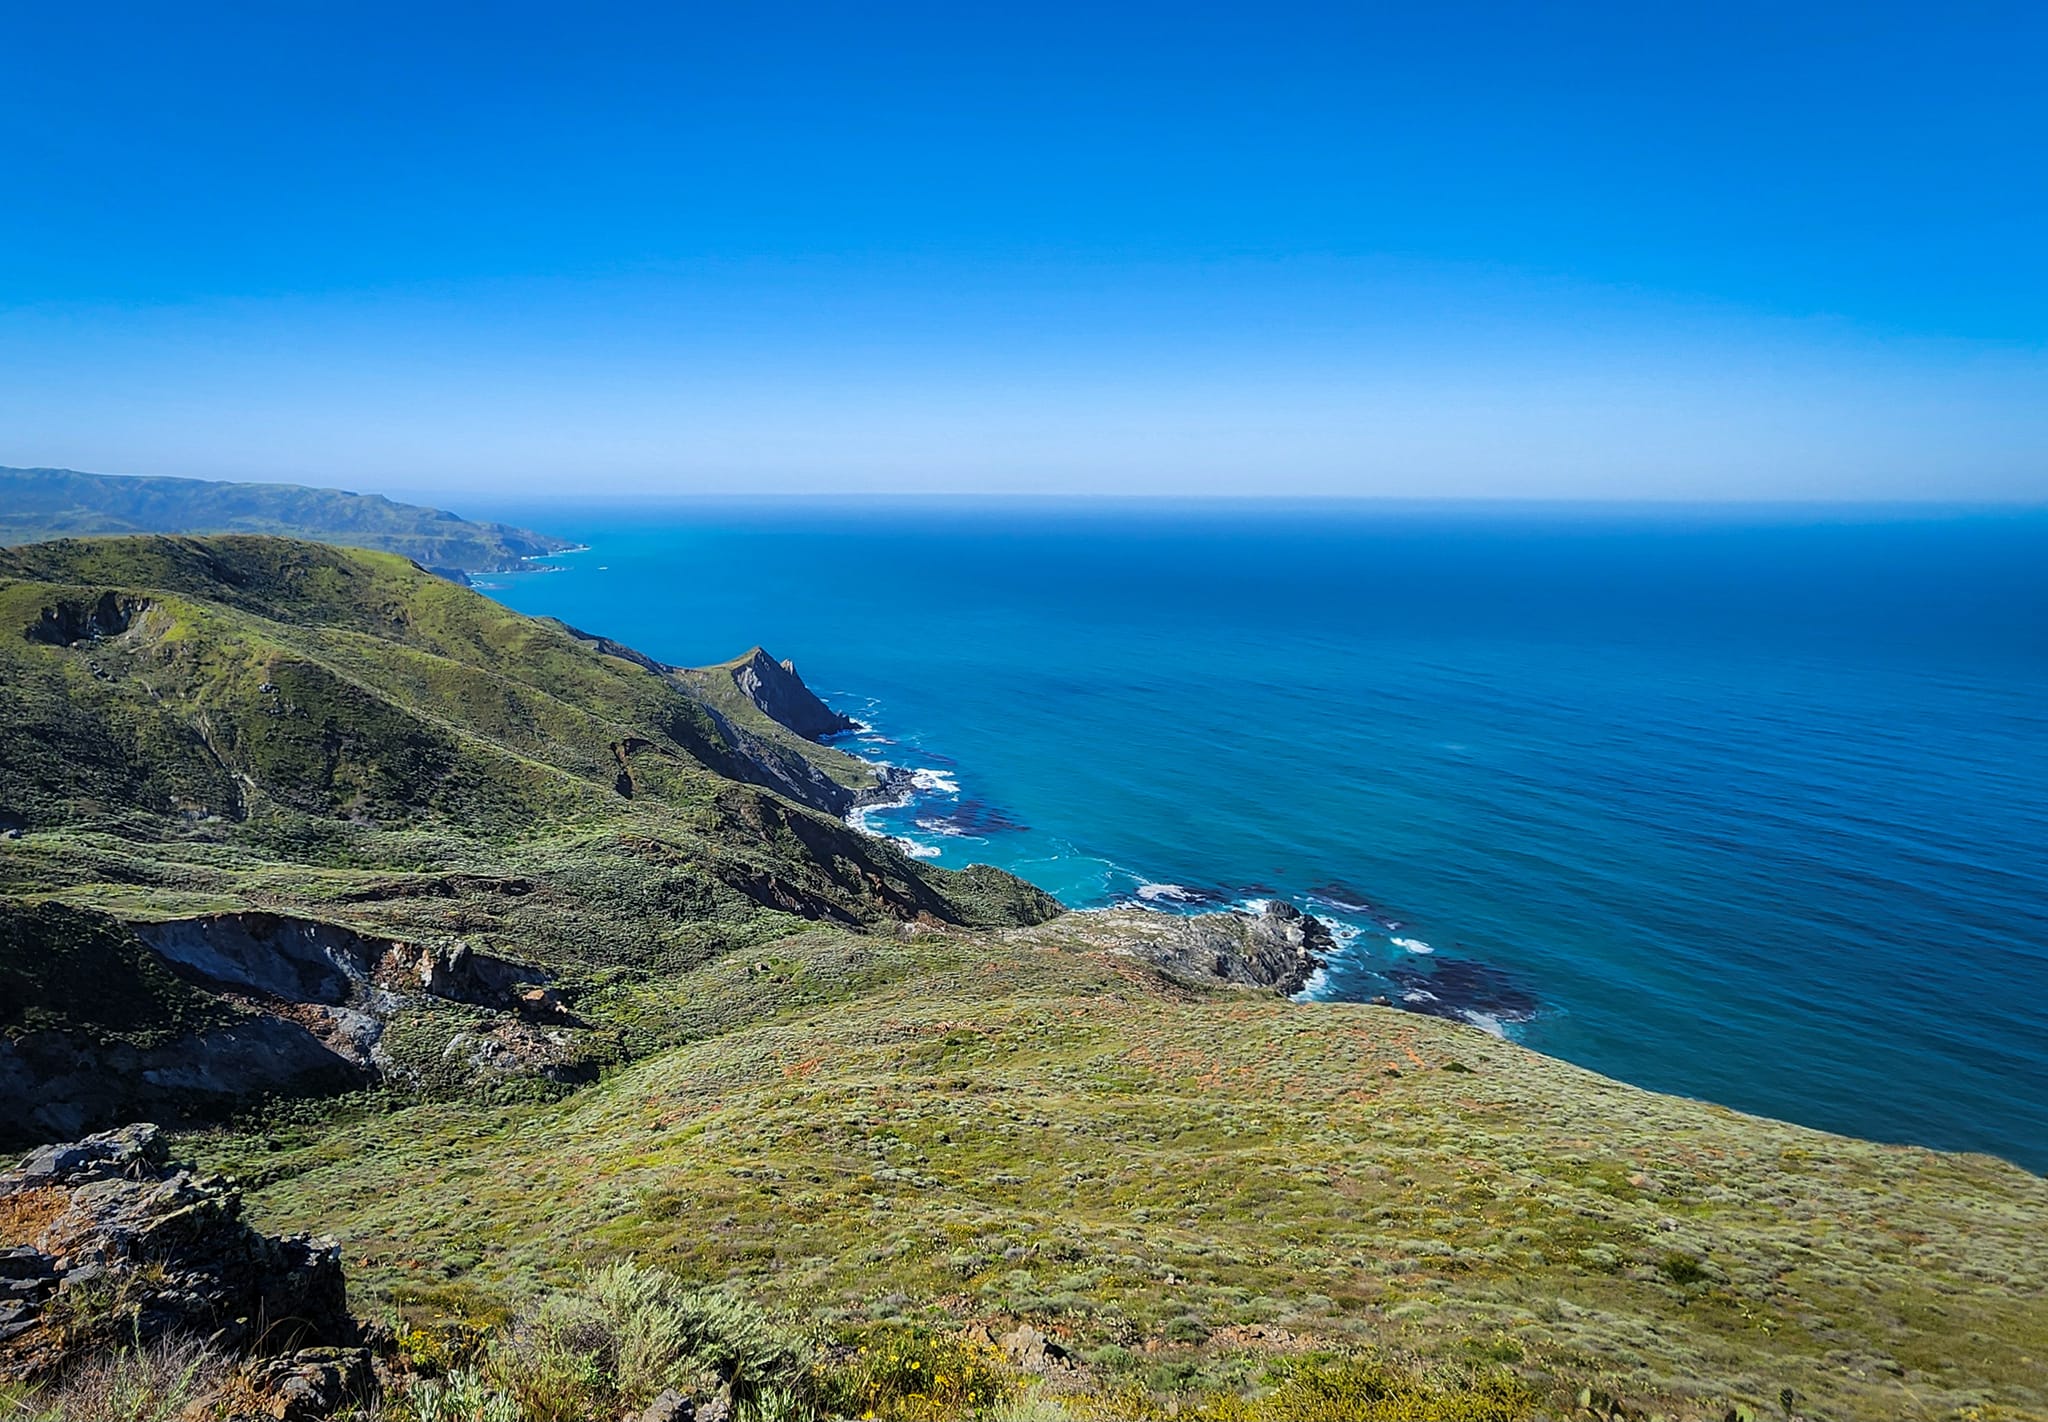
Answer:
(1582, 250)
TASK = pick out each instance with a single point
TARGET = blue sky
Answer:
(1496, 250)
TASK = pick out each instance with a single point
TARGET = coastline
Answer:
(1603, 819)
(928, 807)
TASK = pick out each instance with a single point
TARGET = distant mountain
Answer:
(38, 504)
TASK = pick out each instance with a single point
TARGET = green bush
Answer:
(1682, 1269)
(631, 1332)
(463, 1396)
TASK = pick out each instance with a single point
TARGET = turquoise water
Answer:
(1748, 805)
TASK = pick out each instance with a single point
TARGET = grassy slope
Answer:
(37, 504)
(959, 1125)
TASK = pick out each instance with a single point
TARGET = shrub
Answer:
(439, 1348)
(1326, 1388)
(463, 1396)
(1682, 1269)
(630, 1332)
(914, 1375)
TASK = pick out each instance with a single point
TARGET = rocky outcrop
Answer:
(56, 1084)
(352, 975)
(782, 697)
(781, 769)
(249, 1004)
(774, 689)
(106, 1241)
(1279, 947)
(72, 622)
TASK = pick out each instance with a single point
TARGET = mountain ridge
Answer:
(37, 505)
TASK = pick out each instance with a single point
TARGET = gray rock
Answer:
(315, 1382)
(671, 1406)
(174, 1244)
(1030, 1349)
(781, 695)
(24, 1263)
(1279, 948)
(125, 1151)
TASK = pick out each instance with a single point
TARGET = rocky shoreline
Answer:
(1278, 949)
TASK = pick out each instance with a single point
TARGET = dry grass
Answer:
(153, 1382)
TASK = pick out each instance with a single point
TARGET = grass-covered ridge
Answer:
(1187, 1188)
(248, 701)
(40, 504)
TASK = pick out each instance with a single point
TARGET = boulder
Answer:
(1030, 1349)
(671, 1406)
(129, 1152)
(314, 1382)
(142, 1248)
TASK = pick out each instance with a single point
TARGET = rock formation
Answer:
(1280, 947)
(782, 696)
(105, 1241)
(245, 1004)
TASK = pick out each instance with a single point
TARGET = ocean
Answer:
(1747, 804)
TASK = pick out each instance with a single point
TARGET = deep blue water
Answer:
(1746, 805)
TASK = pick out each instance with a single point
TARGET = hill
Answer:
(541, 954)
(38, 504)
(288, 746)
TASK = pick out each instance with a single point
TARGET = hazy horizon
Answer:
(510, 505)
(1478, 252)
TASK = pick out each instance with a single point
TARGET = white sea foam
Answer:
(1413, 945)
(912, 848)
(861, 816)
(935, 780)
(944, 827)
(1346, 934)
(1312, 990)
(1484, 1021)
(1176, 893)
(1419, 995)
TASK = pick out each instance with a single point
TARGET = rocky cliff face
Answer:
(105, 1241)
(782, 696)
(1279, 947)
(239, 1005)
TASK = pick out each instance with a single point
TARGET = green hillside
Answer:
(39, 504)
(618, 988)
(1194, 1190)
(255, 725)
